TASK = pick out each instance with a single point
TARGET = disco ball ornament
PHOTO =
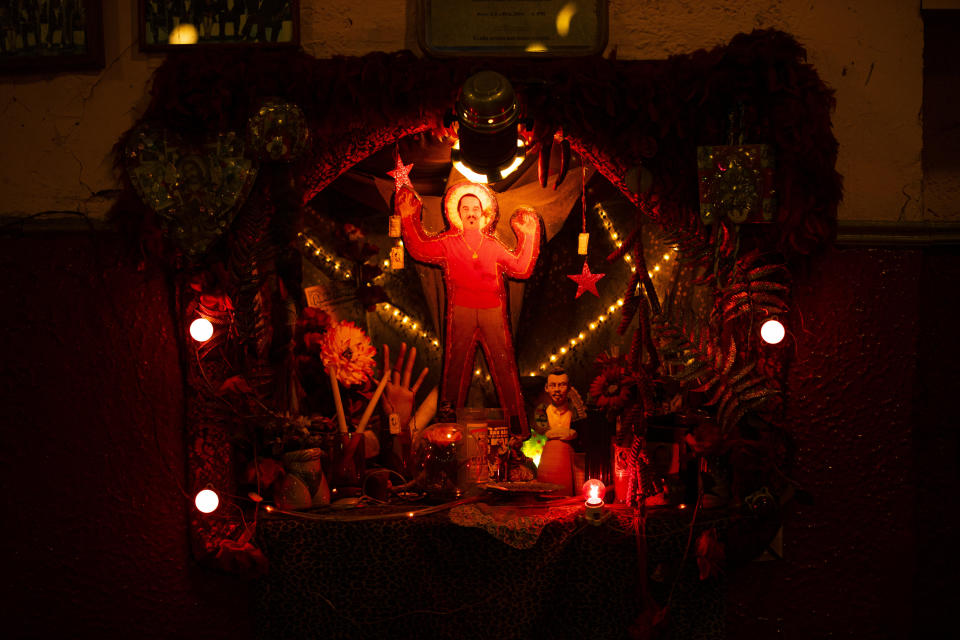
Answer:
(278, 131)
(195, 189)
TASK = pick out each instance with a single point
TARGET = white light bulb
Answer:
(201, 329)
(772, 332)
(207, 501)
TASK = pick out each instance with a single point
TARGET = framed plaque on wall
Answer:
(535, 28)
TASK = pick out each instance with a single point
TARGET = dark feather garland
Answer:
(756, 291)
(732, 385)
(250, 266)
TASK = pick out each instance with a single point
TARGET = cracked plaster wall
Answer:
(56, 131)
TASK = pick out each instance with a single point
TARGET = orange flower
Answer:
(348, 350)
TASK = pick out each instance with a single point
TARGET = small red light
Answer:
(207, 501)
(201, 329)
(593, 491)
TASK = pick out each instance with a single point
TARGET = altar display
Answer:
(290, 256)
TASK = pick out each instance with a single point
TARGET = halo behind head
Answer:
(488, 201)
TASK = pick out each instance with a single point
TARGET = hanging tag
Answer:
(393, 229)
(394, 424)
(396, 257)
(315, 296)
(582, 242)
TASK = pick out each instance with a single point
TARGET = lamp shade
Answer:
(488, 114)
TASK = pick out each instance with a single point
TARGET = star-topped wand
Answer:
(401, 179)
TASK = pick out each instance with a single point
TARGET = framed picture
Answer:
(514, 28)
(174, 24)
(38, 36)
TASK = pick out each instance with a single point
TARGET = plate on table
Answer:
(531, 487)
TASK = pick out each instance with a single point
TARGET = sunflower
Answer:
(348, 350)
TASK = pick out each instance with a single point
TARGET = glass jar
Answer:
(445, 459)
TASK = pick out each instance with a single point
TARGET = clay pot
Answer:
(556, 466)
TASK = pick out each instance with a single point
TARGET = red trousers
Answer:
(490, 329)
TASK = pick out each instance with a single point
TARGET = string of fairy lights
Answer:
(566, 348)
(414, 327)
(410, 325)
(562, 351)
(329, 260)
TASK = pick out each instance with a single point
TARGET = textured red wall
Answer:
(91, 452)
(935, 462)
(863, 410)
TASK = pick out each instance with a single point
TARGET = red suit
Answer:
(475, 291)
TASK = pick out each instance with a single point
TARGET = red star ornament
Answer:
(401, 175)
(586, 281)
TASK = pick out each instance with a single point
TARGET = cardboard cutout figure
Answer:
(474, 263)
